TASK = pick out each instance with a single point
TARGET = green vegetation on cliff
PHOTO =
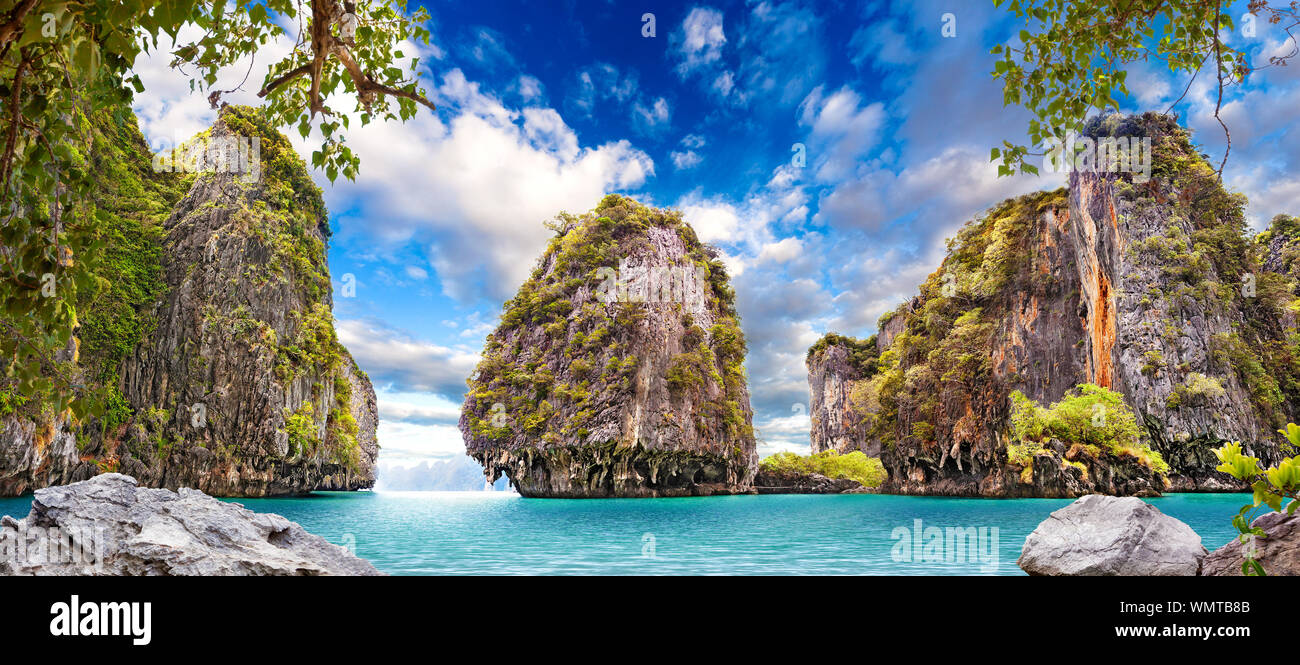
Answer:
(131, 202)
(591, 338)
(944, 351)
(862, 353)
(617, 368)
(1088, 419)
(286, 185)
(292, 220)
(1215, 264)
(212, 294)
(1056, 288)
(855, 466)
(58, 72)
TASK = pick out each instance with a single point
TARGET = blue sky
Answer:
(544, 107)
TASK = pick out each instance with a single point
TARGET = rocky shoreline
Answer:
(111, 526)
(767, 482)
(1124, 536)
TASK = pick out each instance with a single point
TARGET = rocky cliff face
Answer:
(835, 365)
(617, 370)
(1280, 245)
(1150, 289)
(213, 335)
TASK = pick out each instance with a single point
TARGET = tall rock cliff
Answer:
(836, 364)
(617, 370)
(211, 331)
(1150, 289)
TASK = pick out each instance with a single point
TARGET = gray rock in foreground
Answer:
(1106, 535)
(1278, 553)
(109, 526)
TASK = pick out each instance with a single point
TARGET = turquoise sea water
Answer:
(498, 533)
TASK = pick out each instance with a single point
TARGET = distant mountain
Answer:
(461, 474)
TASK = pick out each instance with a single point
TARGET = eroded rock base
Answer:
(590, 473)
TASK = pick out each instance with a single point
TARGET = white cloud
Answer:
(724, 83)
(426, 414)
(602, 81)
(653, 115)
(477, 325)
(843, 129)
(488, 49)
(688, 158)
(685, 160)
(735, 264)
(785, 433)
(481, 185)
(169, 112)
(701, 39)
(944, 192)
(546, 129)
(416, 427)
(530, 88)
(781, 251)
(782, 52)
(881, 42)
(713, 221)
(407, 364)
(407, 443)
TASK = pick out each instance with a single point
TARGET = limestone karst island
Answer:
(420, 288)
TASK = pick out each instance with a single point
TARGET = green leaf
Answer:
(1263, 495)
(1236, 464)
(1286, 475)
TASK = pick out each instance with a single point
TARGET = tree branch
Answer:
(324, 44)
(1218, 62)
(49, 363)
(283, 79)
(367, 86)
(11, 143)
(14, 21)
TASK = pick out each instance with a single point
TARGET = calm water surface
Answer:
(460, 533)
